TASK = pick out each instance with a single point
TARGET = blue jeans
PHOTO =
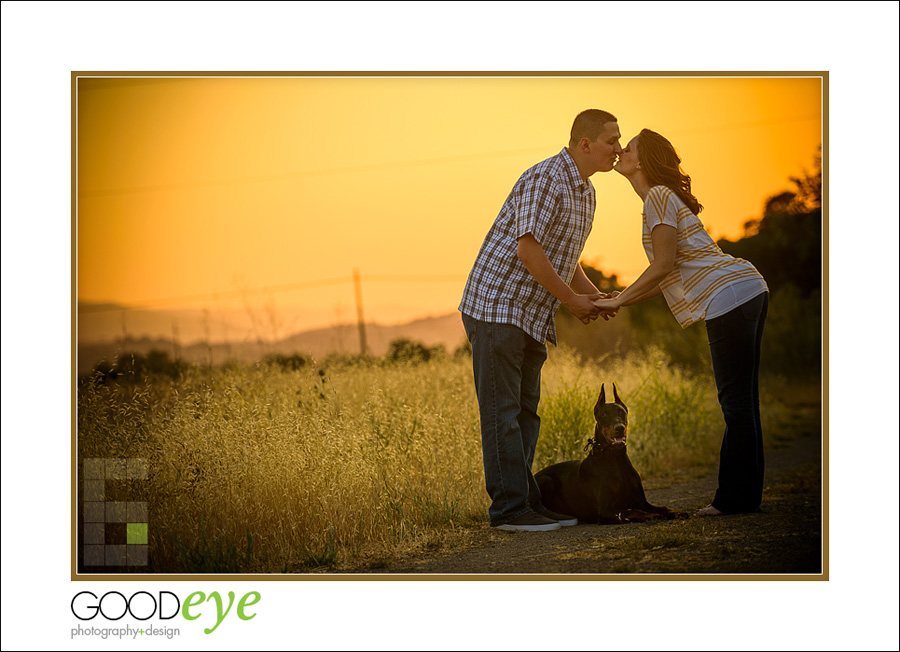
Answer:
(507, 364)
(734, 341)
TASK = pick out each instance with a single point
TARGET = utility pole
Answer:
(206, 332)
(176, 354)
(359, 312)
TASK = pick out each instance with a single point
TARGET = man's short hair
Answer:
(589, 124)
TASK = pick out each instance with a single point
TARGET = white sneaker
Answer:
(562, 519)
(530, 522)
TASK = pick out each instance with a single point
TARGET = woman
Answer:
(701, 282)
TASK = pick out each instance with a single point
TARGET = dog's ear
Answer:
(600, 402)
(618, 400)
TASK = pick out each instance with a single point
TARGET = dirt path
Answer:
(786, 538)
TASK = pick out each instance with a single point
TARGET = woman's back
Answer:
(702, 269)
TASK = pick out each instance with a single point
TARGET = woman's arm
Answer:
(665, 241)
(652, 294)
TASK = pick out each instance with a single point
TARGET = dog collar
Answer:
(598, 447)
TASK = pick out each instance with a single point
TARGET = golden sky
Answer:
(193, 191)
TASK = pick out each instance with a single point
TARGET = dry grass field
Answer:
(254, 468)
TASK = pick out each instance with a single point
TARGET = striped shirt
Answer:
(555, 205)
(702, 269)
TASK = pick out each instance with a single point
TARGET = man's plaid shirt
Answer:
(551, 202)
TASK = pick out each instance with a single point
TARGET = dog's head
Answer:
(612, 421)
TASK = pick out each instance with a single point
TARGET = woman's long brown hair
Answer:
(660, 163)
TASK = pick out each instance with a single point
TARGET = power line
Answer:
(434, 278)
(462, 158)
(745, 125)
(307, 173)
(235, 294)
(288, 287)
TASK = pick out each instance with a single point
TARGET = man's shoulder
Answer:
(554, 165)
(551, 170)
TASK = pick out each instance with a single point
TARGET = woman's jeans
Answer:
(507, 364)
(734, 341)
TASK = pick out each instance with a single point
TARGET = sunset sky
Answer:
(741, 139)
(209, 193)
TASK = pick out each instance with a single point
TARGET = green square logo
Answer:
(103, 519)
(136, 533)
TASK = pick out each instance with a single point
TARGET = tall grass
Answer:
(674, 420)
(267, 469)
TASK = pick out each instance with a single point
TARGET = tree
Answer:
(785, 245)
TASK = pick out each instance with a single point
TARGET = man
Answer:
(527, 267)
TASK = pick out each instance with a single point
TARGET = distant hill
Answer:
(445, 330)
(104, 322)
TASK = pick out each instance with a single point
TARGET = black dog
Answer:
(604, 487)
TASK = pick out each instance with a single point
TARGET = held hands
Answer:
(606, 311)
(607, 303)
(586, 307)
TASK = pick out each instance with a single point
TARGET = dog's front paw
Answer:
(671, 514)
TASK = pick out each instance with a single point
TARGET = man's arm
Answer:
(581, 284)
(536, 262)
